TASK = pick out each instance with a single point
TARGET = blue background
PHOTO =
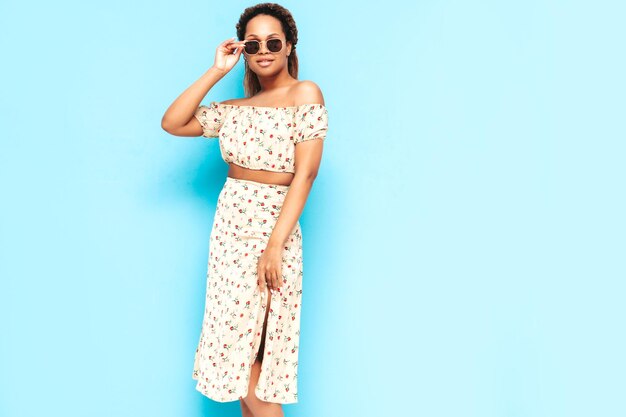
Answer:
(464, 240)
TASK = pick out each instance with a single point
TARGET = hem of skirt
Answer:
(237, 397)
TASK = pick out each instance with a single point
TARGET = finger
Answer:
(234, 48)
(279, 280)
(228, 45)
(267, 273)
(261, 279)
(235, 44)
(227, 41)
(268, 280)
(280, 276)
(274, 280)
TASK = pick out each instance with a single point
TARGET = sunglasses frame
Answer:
(282, 45)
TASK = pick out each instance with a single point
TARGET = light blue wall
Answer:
(464, 240)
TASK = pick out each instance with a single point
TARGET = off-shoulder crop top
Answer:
(262, 137)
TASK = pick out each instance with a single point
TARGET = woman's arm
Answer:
(307, 158)
(178, 119)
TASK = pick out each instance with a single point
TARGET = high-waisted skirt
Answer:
(235, 306)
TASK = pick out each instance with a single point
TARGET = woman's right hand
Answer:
(225, 60)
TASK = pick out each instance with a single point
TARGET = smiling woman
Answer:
(272, 141)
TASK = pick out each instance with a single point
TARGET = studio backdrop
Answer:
(463, 240)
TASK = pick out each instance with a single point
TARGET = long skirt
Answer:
(235, 306)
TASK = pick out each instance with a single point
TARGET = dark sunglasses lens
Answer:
(251, 47)
(274, 45)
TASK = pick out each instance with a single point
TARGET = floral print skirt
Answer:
(235, 306)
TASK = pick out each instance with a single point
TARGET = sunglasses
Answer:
(252, 47)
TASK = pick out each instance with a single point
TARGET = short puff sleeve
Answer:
(311, 122)
(211, 118)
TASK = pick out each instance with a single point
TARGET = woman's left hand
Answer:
(269, 268)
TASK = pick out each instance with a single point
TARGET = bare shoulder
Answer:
(307, 92)
(235, 101)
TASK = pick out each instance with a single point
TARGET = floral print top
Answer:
(259, 137)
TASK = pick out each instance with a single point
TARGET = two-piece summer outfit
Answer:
(261, 138)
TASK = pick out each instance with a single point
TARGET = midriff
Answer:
(259, 175)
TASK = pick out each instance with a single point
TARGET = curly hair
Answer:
(251, 82)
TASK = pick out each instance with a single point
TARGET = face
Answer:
(264, 28)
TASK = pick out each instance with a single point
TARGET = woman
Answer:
(248, 348)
